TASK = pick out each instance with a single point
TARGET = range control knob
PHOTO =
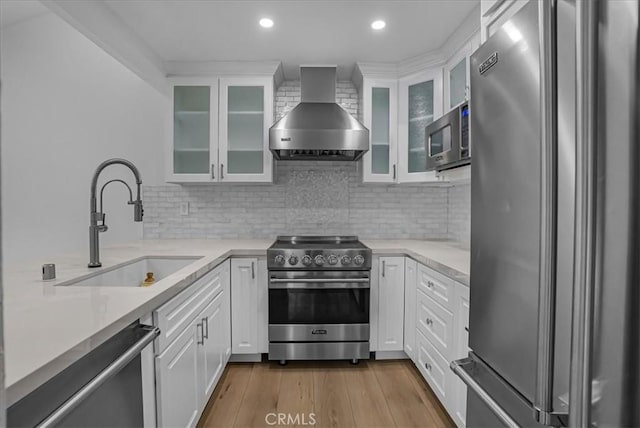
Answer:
(319, 260)
(293, 260)
(332, 259)
(346, 260)
(306, 260)
(279, 259)
(358, 260)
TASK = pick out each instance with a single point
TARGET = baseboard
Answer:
(245, 358)
(391, 355)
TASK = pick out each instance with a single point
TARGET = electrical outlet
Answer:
(184, 208)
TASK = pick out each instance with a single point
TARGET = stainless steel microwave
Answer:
(447, 140)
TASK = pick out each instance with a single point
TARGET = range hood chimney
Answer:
(318, 128)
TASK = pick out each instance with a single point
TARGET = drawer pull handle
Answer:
(429, 284)
(201, 328)
(205, 323)
(429, 321)
(427, 366)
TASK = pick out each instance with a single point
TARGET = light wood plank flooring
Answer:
(370, 394)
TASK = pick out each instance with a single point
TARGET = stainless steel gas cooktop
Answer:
(318, 253)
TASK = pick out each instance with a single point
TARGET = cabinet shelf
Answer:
(380, 143)
(191, 149)
(240, 112)
(190, 112)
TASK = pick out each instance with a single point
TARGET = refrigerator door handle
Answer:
(543, 398)
(458, 368)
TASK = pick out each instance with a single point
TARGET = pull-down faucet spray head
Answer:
(98, 216)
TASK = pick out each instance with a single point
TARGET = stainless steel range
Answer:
(318, 298)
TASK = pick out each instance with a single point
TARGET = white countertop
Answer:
(46, 328)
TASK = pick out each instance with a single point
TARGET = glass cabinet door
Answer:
(191, 129)
(380, 116)
(246, 112)
(420, 104)
(458, 83)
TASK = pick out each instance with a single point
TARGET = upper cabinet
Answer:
(494, 13)
(220, 130)
(379, 101)
(193, 149)
(420, 103)
(396, 111)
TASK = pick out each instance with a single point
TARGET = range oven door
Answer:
(315, 306)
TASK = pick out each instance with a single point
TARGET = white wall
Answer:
(67, 106)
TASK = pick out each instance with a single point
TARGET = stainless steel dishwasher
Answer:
(102, 389)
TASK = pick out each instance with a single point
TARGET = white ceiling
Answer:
(14, 11)
(305, 32)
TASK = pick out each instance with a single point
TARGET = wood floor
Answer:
(338, 394)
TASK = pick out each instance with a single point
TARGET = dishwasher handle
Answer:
(112, 369)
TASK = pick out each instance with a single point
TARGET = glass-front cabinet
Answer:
(246, 113)
(380, 99)
(420, 104)
(456, 75)
(219, 130)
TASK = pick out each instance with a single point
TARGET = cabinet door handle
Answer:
(383, 266)
(394, 171)
(429, 284)
(201, 328)
(427, 366)
(429, 321)
(221, 171)
(213, 171)
(205, 331)
(253, 270)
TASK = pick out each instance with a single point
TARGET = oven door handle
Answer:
(281, 283)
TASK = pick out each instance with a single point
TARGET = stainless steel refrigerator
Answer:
(554, 327)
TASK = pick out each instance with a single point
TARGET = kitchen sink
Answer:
(133, 272)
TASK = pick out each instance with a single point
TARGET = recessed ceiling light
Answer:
(378, 25)
(266, 23)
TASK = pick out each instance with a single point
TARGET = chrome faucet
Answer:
(98, 216)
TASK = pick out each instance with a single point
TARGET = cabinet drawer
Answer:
(437, 286)
(434, 368)
(435, 323)
(175, 315)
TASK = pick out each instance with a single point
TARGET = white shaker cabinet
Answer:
(391, 304)
(459, 393)
(177, 376)
(410, 278)
(244, 303)
(193, 348)
(216, 343)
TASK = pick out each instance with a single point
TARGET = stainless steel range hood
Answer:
(318, 128)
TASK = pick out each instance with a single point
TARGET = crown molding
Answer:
(223, 68)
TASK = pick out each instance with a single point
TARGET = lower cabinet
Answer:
(189, 367)
(410, 278)
(441, 320)
(249, 303)
(459, 395)
(391, 304)
(177, 377)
